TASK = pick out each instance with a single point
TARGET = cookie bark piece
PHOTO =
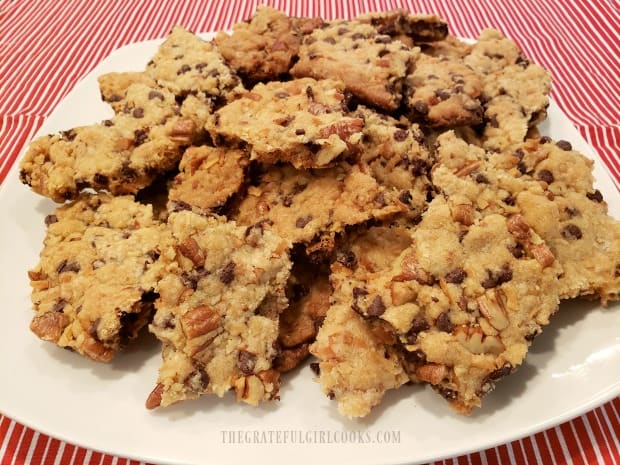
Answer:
(311, 207)
(264, 47)
(550, 187)
(93, 287)
(371, 65)
(401, 24)
(463, 306)
(186, 64)
(208, 178)
(397, 156)
(214, 339)
(300, 121)
(121, 155)
(359, 361)
(444, 92)
(308, 292)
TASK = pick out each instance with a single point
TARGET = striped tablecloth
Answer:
(46, 46)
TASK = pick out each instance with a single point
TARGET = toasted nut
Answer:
(343, 129)
(467, 169)
(199, 321)
(154, 398)
(411, 270)
(271, 381)
(432, 373)
(49, 326)
(190, 249)
(249, 389)
(183, 130)
(464, 214)
(518, 228)
(491, 306)
(542, 254)
(475, 341)
(96, 350)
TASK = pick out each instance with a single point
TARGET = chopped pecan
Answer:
(199, 321)
(464, 214)
(190, 249)
(49, 326)
(492, 306)
(432, 373)
(154, 398)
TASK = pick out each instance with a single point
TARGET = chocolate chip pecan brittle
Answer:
(374, 193)
(98, 272)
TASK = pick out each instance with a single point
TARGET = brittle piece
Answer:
(300, 121)
(359, 360)
(93, 288)
(462, 304)
(121, 155)
(312, 206)
(186, 64)
(208, 178)
(372, 65)
(308, 292)
(265, 46)
(444, 92)
(407, 27)
(397, 157)
(549, 185)
(207, 317)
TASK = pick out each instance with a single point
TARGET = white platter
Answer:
(572, 366)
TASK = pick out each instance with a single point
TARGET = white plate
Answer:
(572, 367)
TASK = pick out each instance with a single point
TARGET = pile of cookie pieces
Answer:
(372, 192)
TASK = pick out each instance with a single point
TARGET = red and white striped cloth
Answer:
(48, 45)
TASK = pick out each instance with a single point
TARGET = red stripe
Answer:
(572, 443)
(26, 441)
(39, 450)
(13, 440)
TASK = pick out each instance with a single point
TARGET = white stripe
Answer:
(59, 452)
(596, 447)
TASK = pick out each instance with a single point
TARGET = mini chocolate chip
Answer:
(400, 135)
(139, 137)
(138, 113)
(443, 323)
(184, 69)
(114, 98)
(421, 107)
(60, 305)
(376, 307)
(405, 197)
(246, 361)
(546, 176)
(595, 196)
(416, 356)
(302, 221)
(571, 212)
(100, 179)
(521, 167)
(481, 179)
(383, 39)
(456, 276)
(359, 291)
(503, 275)
(516, 250)
(418, 324)
(342, 31)
(227, 274)
(442, 94)
(380, 199)
(493, 121)
(509, 200)
(571, 232)
(107, 122)
(545, 139)
(300, 132)
(212, 73)
(564, 145)
(329, 40)
(505, 370)
(156, 94)
(347, 259)
(446, 393)
(309, 93)
(50, 219)
(287, 201)
(66, 267)
(316, 368)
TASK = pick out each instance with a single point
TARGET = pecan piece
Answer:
(49, 326)
(154, 398)
(190, 249)
(199, 321)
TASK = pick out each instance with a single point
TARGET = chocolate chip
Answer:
(417, 356)
(376, 307)
(443, 323)
(595, 196)
(138, 113)
(50, 219)
(446, 393)
(442, 94)
(246, 361)
(546, 176)
(505, 370)
(60, 305)
(481, 179)
(456, 276)
(347, 259)
(309, 93)
(494, 279)
(571, 232)
(418, 324)
(342, 31)
(66, 267)
(493, 121)
(516, 250)
(545, 139)
(359, 291)
(139, 137)
(156, 94)
(400, 135)
(100, 179)
(421, 107)
(300, 132)
(227, 274)
(383, 39)
(564, 145)
(302, 221)
(380, 199)
(184, 69)
(329, 40)
(316, 368)
(509, 200)
(287, 201)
